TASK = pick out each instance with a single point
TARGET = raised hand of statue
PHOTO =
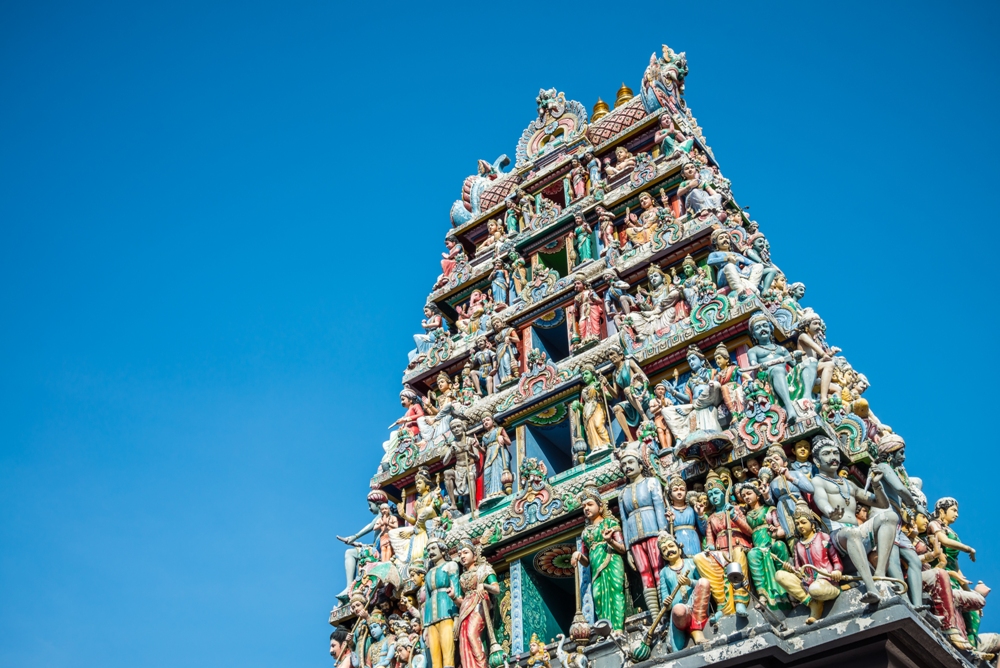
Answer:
(683, 580)
(402, 498)
(837, 513)
(608, 534)
(972, 554)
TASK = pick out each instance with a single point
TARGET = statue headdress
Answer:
(591, 492)
(890, 443)
(689, 262)
(722, 350)
(696, 351)
(376, 617)
(714, 481)
(676, 481)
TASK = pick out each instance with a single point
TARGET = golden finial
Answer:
(601, 110)
(624, 95)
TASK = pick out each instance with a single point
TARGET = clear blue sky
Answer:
(220, 221)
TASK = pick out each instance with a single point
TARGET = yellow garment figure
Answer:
(723, 593)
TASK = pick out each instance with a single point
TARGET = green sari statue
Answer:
(762, 565)
(601, 549)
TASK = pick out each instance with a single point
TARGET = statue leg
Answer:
(446, 634)
(622, 422)
(808, 378)
(825, 377)
(449, 486)
(434, 644)
(779, 381)
(885, 524)
(914, 581)
(350, 567)
(710, 570)
(859, 557)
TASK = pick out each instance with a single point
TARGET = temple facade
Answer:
(624, 436)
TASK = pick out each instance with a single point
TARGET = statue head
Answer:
(748, 493)
(669, 547)
(666, 122)
(690, 171)
(721, 240)
(488, 422)
(376, 624)
(721, 356)
(359, 605)
(826, 455)
(443, 381)
(468, 553)
(656, 277)
(339, 642)
(408, 398)
(592, 503)
(423, 480)
(892, 449)
(753, 467)
(677, 489)
(946, 509)
(695, 358)
(621, 153)
(689, 266)
(630, 463)
(645, 200)
(797, 290)
(435, 550)
(458, 428)
(761, 329)
(805, 520)
(802, 449)
(376, 498)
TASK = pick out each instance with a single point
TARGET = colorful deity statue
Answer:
(586, 313)
(727, 539)
(409, 541)
(495, 444)
(662, 304)
(435, 425)
(478, 583)
(787, 488)
(483, 360)
(629, 380)
(590, 408)
(817, 355)
(699, 400)
(384, 523)
(684, 592)
(730, 381)
(602, 545)
(606, 227)
(813, 577)
(624, 163)
(672, 142)
(945, 515)
(499, 282)
(453, 259)
(683, 523)
(733, 270)
(352, 555)
(802, 449)
(617, 300)
(435, 329)
(460, 480)
(770, 360)
(697, 193)
(380, 651)
(767, 538)
(577, 180)
(507, 340)
(949, 602)
(340, 649)
(538, 656)
(644, 516)
(582, 242)
(836, 499)
(441, 588)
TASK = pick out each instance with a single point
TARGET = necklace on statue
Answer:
(843, 487)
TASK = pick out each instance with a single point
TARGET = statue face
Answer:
(434, 551)
(898, 457)
(645, 201)
(803, 526)
(688, 270)
(950, 515)
(722, 242)
(417, 577)
(358, 609)
(721, 361)
(466, 557)
(749, 495)
(669, 549)
(458, 429)
(405, 402)
(591, 509)
(660, 392)
(630, 465)
(488, 422)
(716, 497)
(421, 486)
(762, 331)
(384, 509)
(694, 362)
(690, 171)
(621, 153)
(827, 458)
(678, 493)
(376, 630)
(403, 653)
(336, 647)
(802, 450)
(753, 466)
(758, 243)
(921, 522)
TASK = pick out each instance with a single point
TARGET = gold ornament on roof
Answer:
(601, 109)
(624, 95)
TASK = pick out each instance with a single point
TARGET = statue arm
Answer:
(656, 492)
(363, 532)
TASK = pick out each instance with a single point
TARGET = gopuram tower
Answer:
(625, 437)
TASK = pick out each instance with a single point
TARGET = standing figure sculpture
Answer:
(460, 481)
(582, 240)
(644, 516)
(631, 381)
(727, 539)
(787, 488)
(499, 282)
(602, 545)
(683, 522)
(586, 313)
(496, 461)
(478, 582)
(507, 340)
(441, 588)
(685, 591)
(767, 538)
(945, 515)
(769, 360)
(590, 408)
(836, 499)
(352, 554)
(730, 381)
(577, 180)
